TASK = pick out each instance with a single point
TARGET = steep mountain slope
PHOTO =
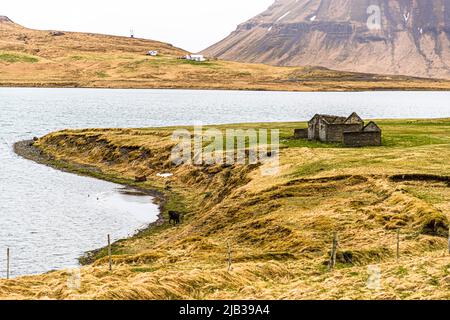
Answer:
(412, 39)
(5, 19)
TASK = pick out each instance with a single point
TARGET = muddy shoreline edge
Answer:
(28, 151)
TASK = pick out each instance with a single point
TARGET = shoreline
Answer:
(309, 87)
(19, 86)
(26, 150)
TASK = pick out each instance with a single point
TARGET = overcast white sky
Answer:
(191, 25)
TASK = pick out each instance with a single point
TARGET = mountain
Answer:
(5, 19)
(49, 58)
(409, 37)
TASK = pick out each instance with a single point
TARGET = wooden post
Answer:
(332, 264)
(109, 253)
(398, 244)
(7, 263)
(229, 256)
(449, 240)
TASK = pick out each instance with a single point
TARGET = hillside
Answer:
(34, 58)
(280, 228)
(413, 37)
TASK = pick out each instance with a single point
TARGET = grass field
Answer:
(33, 58)
(280, 227)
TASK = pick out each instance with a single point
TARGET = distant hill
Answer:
(412, 38)
(49, 58)
(52, 44)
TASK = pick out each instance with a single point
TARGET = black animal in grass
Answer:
(175, 217)
(140, 179)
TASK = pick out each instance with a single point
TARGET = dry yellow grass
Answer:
(39, 59)
(280, 228)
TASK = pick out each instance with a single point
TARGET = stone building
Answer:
(369, 136)
(349, 131)
(331, 128)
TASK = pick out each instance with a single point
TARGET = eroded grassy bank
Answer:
(280, 228)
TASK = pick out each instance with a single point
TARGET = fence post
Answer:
(398, 244)
(7, 263)
(229, 256)
(449, 240)
(109, 252)
(334, 251)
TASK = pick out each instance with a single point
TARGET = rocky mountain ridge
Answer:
(408, 37)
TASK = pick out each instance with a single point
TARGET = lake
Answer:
(49, 218)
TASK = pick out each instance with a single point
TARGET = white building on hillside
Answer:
(196, 57)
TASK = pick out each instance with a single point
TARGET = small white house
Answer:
(196, 57)
(152, 53)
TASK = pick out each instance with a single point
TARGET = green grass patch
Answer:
(77, 58)
(396, 134)
(429, 195)
(15, 57)
(313, 168)
(101, 74)
(434, 281)
(402, 271)
(243, 74)
(411, 140)
(197, 63)
(92, 57)
(165, 61)
(446, 269)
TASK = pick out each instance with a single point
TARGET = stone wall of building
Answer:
(322, 131)
(335, 132)
(362, 139)
(313, 129)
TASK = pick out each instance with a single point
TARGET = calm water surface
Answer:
(49, 218)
